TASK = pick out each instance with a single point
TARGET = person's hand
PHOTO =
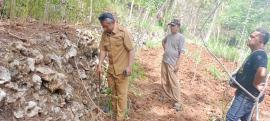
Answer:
(260, 87)
(99, 69)
(128, 71)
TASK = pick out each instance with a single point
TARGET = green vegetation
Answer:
(137, 72)
(215, 72)
(221, 49)
(234, 18)
(153, 44)
(225, 28)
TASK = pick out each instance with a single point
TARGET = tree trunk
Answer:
(211, 26)
(91, 11)
(12, 9)
(130, 12)
(46, 13)
(242, 49)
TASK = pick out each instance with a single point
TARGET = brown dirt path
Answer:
(204, 97)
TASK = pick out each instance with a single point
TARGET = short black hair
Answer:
(264, 34)
(105, 16)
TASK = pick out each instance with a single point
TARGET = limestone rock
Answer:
(82, 74)
(12, 85)
(5, 75)
(55, 82)
(45, 70)
(32, 109)
(2, 95)
(37, 81)
(37, 56)
(31, 64)
(19, 113)
(57, 59)
(72, 52)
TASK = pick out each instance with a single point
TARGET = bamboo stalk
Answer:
(130, 13)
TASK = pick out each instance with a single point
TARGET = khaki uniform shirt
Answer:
(117, 44)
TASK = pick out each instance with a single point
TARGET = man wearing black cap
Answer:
(173, 45)
(116, 43)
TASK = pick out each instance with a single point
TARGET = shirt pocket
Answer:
(117, 41)
(107, 46)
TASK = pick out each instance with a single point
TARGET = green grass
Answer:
(153, 44)
(268, 68)
(137, 73)
(223, 50)
(215, 72)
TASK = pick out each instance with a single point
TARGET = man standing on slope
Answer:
(173, 45)
(116, 42)
(250, 76)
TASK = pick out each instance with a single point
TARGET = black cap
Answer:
(175, 22)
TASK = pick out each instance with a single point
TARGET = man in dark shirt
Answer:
(250, 76)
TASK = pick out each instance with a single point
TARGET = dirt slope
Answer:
(204, 97)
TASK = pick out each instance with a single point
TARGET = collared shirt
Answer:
(117, 44)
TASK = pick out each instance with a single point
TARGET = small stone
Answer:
(19, 46)
(19, 113)
(15, 63)
(47, 37)
(5, 75)
(85, 102)
(56, 109)
(31, 64)
(32, 109)
(56, 59)
(49, 119)
(23, 50)
(37, 81)
(37, 56)
(68, 93)
(67, 43)
(78, 108)
(33, 112)
(55, 81)
(13, 97)
(31, 105)
(2, 95)
(14, 67)
(12, 85)
(45, 70)
(72, 52)
(82, 74)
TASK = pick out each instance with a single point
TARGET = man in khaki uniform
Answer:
(173, 45)
(116, 43)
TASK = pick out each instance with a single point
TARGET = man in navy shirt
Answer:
(250, 76)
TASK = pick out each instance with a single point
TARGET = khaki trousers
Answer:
(170, 82)
(119, 86)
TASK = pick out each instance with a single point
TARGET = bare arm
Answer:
(101, 57)
(131, 52)
(259, 77)
(178, 60)
(163, 43)
(131, 57)
(181, 51)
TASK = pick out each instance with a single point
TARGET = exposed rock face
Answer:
(40, 79)
(4, 75)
